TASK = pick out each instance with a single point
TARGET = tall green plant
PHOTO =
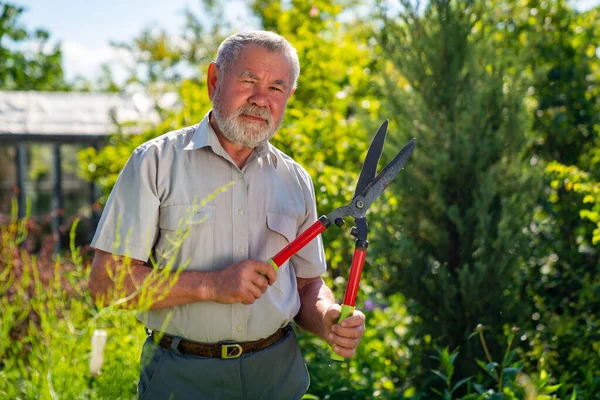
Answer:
(465, 194)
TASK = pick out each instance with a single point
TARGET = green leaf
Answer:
(589, 199)
(510, 356)
(410, 392)
(574, 395)
(491, 366)
(550, 389)
(484, 367)
(460, 383)
(440, 375)
(453, 356)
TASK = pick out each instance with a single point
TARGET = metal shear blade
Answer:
(369, 186)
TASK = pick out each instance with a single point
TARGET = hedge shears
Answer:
(368, 189)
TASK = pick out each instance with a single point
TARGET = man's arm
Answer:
(319, 314)
(243, 282)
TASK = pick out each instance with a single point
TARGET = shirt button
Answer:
(241, 212)
(238, 328)
(241, 249)
(239, 175)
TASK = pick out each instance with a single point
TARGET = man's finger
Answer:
(344, 352)
(354, 320)
(255, 291)
(248, 299)
(353, 332)
(267, 271)
(334, 312)
(261, 282)
(346, 342)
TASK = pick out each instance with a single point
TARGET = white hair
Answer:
(230, 48)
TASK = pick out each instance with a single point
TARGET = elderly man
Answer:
(223, 330)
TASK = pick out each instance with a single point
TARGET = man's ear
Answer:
(212, 78)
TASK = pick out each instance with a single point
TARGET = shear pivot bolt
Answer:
(360, 204)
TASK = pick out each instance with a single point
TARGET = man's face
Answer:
(250, 99)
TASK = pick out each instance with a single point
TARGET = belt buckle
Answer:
(230, 351)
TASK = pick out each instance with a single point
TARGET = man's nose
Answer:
(259, 96)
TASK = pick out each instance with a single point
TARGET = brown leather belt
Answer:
(218, 350)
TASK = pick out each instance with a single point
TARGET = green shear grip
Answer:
(346, 312)
(270, 261)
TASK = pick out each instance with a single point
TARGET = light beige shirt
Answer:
(270, 201)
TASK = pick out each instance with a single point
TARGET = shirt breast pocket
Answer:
(281, 231)
(186, 233)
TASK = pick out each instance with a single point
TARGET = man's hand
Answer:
(345, 337)
(242, 282)
(319, 314)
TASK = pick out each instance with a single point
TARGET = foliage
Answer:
(504, 380)
(563, 100)
(562, 87)
(446, 372)
(38, 68)
(465, 194)
(561, 277)
(48, 319)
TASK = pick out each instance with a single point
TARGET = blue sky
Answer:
(86, 28)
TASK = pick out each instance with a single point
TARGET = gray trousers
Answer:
(277, 372)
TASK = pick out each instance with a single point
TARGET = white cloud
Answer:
(86, 61)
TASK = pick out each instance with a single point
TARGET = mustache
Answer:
(256, 111)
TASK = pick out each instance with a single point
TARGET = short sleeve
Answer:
(310, 261)
(129, 222)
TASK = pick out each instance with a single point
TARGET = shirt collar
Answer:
(205, 136)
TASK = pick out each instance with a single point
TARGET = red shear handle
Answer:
(297, 244)
(355, 271)
(360, 252)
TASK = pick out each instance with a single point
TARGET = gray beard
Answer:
(247, 134)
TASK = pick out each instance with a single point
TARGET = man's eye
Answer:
(276, 89)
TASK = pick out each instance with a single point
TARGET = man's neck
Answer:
(239, 154)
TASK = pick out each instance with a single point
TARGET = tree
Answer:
(466, 194)
(22, 69)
